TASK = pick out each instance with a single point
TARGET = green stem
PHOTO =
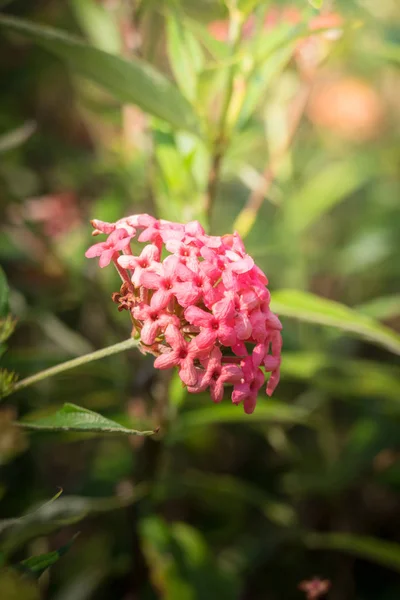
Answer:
(76, 362)
(221, 141)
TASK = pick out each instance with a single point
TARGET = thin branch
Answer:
(248, 214)
(75, 362)
(221, 141)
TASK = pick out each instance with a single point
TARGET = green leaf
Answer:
(316, 3)
(36, 565)
(132, 81)
(313, 309)
(344, 377)
(385, 307)
(185, 56)
(217, 49)
(75, 418)
(4, 291)
(381, 552)
(178, 555)
(326, 189)
(266, 411)
(54, 515)
(99, 24)
(15, 138)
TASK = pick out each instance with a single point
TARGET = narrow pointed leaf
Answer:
(132, 81)
(378, 551)
(327, 188)
(75, 418)
(52, 516)
(313, 309)
(266, 411)
(36, 565)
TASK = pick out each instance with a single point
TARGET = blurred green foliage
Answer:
(234, 114)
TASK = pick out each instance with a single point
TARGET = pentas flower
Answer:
(196, 302)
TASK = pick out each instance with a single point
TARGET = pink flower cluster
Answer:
(203, 308)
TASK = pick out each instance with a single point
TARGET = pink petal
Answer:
(197, 316)
(243, 265)
(271, 362)
(231, 374)
(106, 258)
(239, 349)
(95, 250)
(188, 372)
(273, 382)
(249, 404)
(150, 253)
(149, 332)
(226, 334)
(150, 280)
(103, 226)
(240, 391)
(186, 293)
(257, 320)
(201, 385)
(167, 360)
(276, 343)
(224, 308)
(273, 322)
(258, 354)
(243, 326)
(194, 228)
(127, 262)
(175, 339)
(161, 298)
(217, 390)
(206, 339)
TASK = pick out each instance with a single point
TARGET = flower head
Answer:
(202, 308)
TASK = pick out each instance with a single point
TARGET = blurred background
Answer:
(280, 120)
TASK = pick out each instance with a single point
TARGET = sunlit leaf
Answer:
(316, 3)
(99, 24)
(131, 81)
(346, 377)
(385, 307)
(218, 50)
(185, 55)
(75, 418)
(314, 309)
(321, 192)
(379, 551)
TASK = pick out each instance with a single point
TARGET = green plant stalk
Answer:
(221, 142)
(75, 362)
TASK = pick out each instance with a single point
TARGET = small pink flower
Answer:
(153, 322)
(247, 390)
(216, 374)
(193, 285)
(211, 328)
(161, 279)
(117, 240)
(182, 355)
(138, 264)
